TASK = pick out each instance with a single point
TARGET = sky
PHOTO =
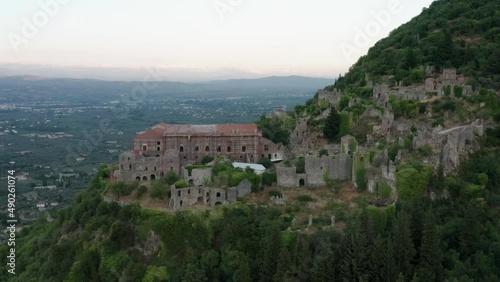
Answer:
(193, 40)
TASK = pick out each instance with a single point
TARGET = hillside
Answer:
(449, 34)
(399, 168)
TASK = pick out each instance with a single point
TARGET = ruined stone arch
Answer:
(218, 203)
(153, 177)
(207, 149)
(138, 178)
(144, 178)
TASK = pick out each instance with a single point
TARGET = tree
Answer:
(431, 255)
(404, 251)
(332, 126)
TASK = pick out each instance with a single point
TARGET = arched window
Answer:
(181, 149)
(145, 178)
(154, 168)
(146, 168)
(266, 148)
(218, 194)
(158, 149)
(243, 149)
(196, 149)
(130, 166)
(144, 148)
(219, 149)
(229, 148)
(207, 149)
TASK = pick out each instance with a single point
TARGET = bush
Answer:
(361, 180)
(268, 179)
(411, 183)
(274, 193)
(171, 177)
(181, 184)
(158, 190)
(384, 191)
(425, 150)
(323, 152)
(141, 191)
(300, 165)
(207, 159)
(304, 198)
(266, 162)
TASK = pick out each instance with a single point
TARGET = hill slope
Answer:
(449, 34)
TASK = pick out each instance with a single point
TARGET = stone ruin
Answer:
(207, 196)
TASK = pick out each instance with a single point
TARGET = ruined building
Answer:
(171, 147)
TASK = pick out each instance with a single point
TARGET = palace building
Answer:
(171, 147)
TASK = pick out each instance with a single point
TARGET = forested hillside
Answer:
(449, 34)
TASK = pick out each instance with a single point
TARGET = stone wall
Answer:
(207, 196)
(198, 176)
(287, 176)
(333, 97)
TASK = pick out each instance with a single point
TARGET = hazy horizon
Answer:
(193, 41)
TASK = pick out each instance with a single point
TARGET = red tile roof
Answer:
(155, 133)
(159, 130)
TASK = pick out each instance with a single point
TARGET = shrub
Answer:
(207, 159)
(411, 183)
(268, 178)
(274, 193)
(323, 152)
(158, 190)
(181, 184)
(141, 191)
(304, 198)
(384, 191)
(301, 165)
(361, 180)
(266, 162)
(171, 178)
(425, 150)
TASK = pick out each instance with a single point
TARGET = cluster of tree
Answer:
(276, 129)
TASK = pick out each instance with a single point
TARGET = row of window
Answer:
(207, 148)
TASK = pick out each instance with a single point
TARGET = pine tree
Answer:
(404, 251)
(283, 266)
(431, 254)
(332, 125)
(270, 249)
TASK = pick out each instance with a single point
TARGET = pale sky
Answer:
(192, 40)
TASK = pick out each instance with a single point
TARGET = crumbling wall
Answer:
(287, 176)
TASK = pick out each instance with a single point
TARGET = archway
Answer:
(191, 182)
(200, 200)
(153, 177)
(302, 182)
(138, 178)
(144, 178)
(218, 203)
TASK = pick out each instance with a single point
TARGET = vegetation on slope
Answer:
(457, 34)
